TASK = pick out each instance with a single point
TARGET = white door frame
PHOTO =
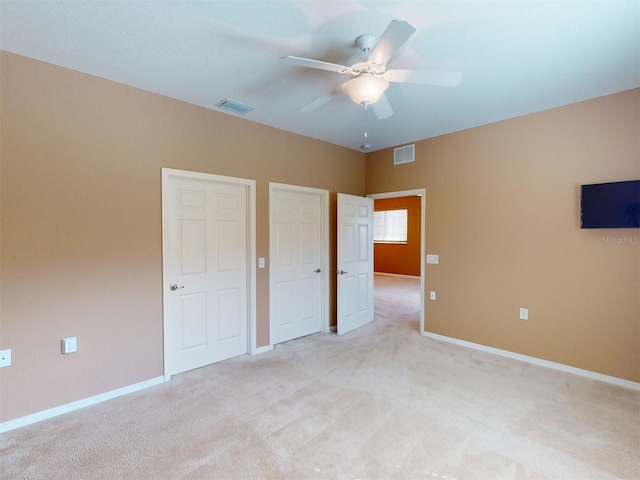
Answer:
(408, 193)
(324, 229)
(250, 189)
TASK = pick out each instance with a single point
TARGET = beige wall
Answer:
(403, 259)
(81, 221)
(80, 227)
(502, 211)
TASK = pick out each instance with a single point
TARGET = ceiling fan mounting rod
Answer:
(366, 42)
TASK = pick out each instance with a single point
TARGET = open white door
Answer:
(355, 262)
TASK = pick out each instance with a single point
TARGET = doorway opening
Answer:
(400, 287)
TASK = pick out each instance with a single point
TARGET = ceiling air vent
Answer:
(404, 154)
(233, 106)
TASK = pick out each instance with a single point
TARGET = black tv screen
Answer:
(610, 205)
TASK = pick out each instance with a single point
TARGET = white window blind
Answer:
(390, 226)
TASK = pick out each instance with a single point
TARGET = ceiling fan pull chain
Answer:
(366, 145)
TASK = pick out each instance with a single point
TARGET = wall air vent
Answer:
(233, 106)
(404, 154)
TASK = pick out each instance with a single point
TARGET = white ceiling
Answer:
(516, 57)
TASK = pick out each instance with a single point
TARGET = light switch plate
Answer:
(431, 258)
(524, 314)
(5, 358)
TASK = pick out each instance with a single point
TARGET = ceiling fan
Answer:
(368, 79)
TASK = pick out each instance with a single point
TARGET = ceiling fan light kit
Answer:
(365, 89)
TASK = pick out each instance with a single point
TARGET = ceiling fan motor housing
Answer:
(366, 42)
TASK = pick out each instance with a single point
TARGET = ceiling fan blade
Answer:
(425, 77)
(382, 108)
(318, 102)
(396, 34)
(307, 62)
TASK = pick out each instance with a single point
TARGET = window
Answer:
(390, 226)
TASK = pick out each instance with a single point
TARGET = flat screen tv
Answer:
(610, 205)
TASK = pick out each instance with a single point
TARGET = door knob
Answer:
(317, 270)
(173, 286)
(342, 272)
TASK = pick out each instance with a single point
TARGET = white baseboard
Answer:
(259, 350)
(537, 361)
(69, 407)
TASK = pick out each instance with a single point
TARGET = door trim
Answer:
(250, 189)
(324, 228)
(408, 193)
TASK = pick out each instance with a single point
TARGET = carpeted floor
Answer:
(382, 402)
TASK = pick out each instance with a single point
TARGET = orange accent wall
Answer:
(400, 259)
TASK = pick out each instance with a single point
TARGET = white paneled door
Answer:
(355, 262)
(205, 274)
(297, 270)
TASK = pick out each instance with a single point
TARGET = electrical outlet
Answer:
(432, 295)
(69, 344)
(524, 314)
(5, 358)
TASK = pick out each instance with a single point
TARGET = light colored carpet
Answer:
(379, 403)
